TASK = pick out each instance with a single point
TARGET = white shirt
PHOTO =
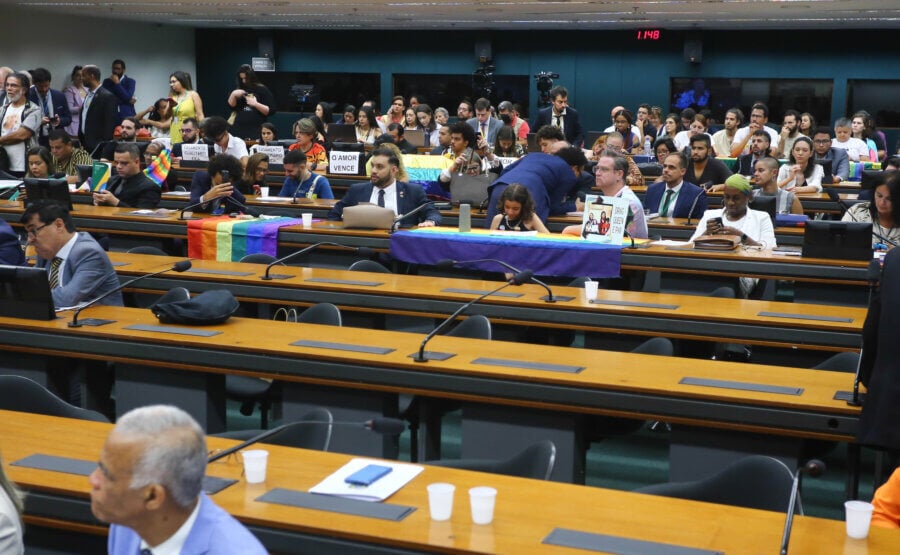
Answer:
(854, 147)
(63, 253)
(236, 147)
(683, 139)
(173, 545)
(390, 196)
(12, 121)
(634, 129)
(755, 223)
(672, 201)
(741, 134)
(815, 180)
(561, 119)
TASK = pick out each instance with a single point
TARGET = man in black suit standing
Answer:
(54, 108)
(99, 112)
(563, 116)
(384, 190)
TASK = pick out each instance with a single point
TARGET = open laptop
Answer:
(368, 216)
(25, 293)
(416, 137)
(341, 133)
(470, 189)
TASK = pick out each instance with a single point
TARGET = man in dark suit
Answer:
(129, 187)
(122, 87)
(673, 197)
(385, 190)
(561, 115)
(483, 122)
(11, 252)
(99, 114)
(54, 108)
(550, 178)
(822, 151)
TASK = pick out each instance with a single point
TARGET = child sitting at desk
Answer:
(516, 211)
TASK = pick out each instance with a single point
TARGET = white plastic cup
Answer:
(482, 500)
(859, 516)
(590, 290)
(255, 465)
(263, 191)
(440, 500)
(307, 219)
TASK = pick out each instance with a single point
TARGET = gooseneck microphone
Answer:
(180, 266)
(384, 426)
(517, 279)
(416, 210)
(703, 192)
(448, 263)
(190, 207)
(813, 467)
(244, 208)
(365, 252)
(845, 209)
(873, 276)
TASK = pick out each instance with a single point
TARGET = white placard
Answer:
(275, 152)
(604, 219)
(262, 64)
(506, 160)
(195, 153)
(346, 163)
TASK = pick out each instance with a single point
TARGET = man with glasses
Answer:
(20, 120)
(610, 173)
(822, 151)
(759, 116)
(130, 187)
(190, 134)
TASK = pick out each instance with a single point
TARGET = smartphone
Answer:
(226, 176)
(368, 475)
(716, 220)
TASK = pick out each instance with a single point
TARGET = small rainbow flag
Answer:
(228, 240)
(100, 176)
(158, 170)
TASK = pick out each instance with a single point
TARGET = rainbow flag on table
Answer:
(158, 170)
(228, 240)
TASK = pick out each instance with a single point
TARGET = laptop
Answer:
(368, 216)
(837, 240)
(25, 293)
(341, 133)
(416, 137)
(470, 189)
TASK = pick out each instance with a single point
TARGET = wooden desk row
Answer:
(527, 511)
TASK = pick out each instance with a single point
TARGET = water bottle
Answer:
(465, 218)
(648, 146)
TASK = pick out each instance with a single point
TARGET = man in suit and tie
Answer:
(483, 122)
(823, 151)
(384, 190)
(561, 115)
(673, 197)
(54, 108)
(122, 87)
(99, 114)
(130, 186)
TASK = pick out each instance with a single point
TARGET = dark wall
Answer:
(600, 69)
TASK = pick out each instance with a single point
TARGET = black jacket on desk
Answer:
(409, 197)
(571, 125)
(137, 191)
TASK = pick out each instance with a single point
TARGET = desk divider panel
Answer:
(173, 330)
(620, 546)
(742, 386)
(636, 304)
(218, 272)
(334, 504)
(346, 282)
(343, 347)
(480, 292)
(528, 365)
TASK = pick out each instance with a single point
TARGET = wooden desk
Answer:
(526, 511)
(189, 371)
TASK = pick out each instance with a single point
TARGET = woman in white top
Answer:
(366, 129)
(428, 124)
(670, 127)
(10, 517)
(801, 175)
(881, 212)
(698, 126)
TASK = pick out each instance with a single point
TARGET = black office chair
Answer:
(847, 361)
(311, 431)
(368, 266)
(755, 482)
(147, 249)
(661, 346)
(561, 337)
(250, 391)
(536, 461)
(24, 395)
(259, 258)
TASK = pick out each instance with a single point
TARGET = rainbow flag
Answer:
(158, 170)
(228, 240)
(100, 176)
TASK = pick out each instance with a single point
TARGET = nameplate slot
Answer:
(218, 272)
(343, 347)
(636, 304)
(346, 282)
(743, 386)
(480, 292)
(333, 504)
(119, 264)
(173, 331)
(620, 546)
(528, 365)
(805, 317)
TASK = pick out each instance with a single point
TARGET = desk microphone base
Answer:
(432, 355)
(557, 298)
(90, 322)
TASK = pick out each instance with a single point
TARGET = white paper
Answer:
(195, 153)
(346, 163)
(275, 152)
(381, 489)
(671, 243)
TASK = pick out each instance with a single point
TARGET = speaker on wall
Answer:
(483, 51)
(693, 50)
(267, 47)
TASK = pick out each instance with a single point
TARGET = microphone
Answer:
(244, 208)
(447, 263)
(365, 252)
(415, 210)
(518, 279)
(703, 190)
(384, 426)
(180, 266)
(190, 207)
(873, 276)
(845, 209)
(813, 467)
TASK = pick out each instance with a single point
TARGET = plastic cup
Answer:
(307, 219)
(440, 500)
(859, 516)
(590, 290)
(263, 191)
(482, 500)
(255, 465)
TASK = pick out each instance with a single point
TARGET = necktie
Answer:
(484, 130)
(146, 551)
(54, 271)
(381, 198)
(559, 121)
(85, 107)
(665, 207)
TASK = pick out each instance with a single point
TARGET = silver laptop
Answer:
(470, 189)
(368, 216)
(416, 137)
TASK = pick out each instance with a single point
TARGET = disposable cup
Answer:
(263, 191)
(482, 500)
(255, 465)
(859, 516)
(307, 219)
(440, 500)
(590, 290)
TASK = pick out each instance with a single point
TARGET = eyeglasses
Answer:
(186, 130)
(33, 233)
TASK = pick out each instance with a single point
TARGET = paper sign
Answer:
(604, 219)
(346, 163)
(195, 153)
(275, 153)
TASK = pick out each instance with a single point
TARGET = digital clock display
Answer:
(649, 34)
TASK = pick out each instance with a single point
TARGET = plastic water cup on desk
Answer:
(440, 500)
(482, 500)
(859, 516)
(307, 219)
(255, 461)
(590, 290)
(263, 192)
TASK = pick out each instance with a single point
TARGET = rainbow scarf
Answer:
(158, 170)
(228, 240)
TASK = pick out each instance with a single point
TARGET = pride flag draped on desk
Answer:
(228, 240)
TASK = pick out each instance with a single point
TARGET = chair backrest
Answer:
(847, 361)
(259, 258)
(724, 292)
(323, 313)
(147, 249)
(536, 461)
(312, 431)
(24, 395)
(756, 482)
(473, 327)
(656, 346)
(368, 266)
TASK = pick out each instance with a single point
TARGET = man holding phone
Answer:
(209, 188)
(129, 187)
(54, 108)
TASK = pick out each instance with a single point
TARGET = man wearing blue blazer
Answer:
(54, 108)
(122, 87)
(561, 115)
(673, 197)
(484, 123)
(384, 190)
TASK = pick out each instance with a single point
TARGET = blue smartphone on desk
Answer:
(368, 475)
